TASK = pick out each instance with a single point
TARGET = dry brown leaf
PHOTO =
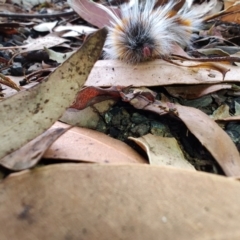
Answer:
(229, 3)
(29, 113)
(230, 14)
(8, 82)
(162, 151)
(90, 201)
(82, 144)
(212, 137)
(192, 92)
(30, 154)
(154, 73)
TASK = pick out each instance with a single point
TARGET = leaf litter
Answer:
(139, 75)
(152, 110)
(33, 107)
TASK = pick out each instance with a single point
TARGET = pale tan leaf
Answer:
(213, 51)
(88, 117)
(48, 41)
(29, 113)
(237, 108)
(162, 151)
(45, 26)
(137, 202)
(155, 73)
(221, 113)
(212, 137)
(30, 154)
(82, 144)
(237, 54)
(57, 56)
(78, 29)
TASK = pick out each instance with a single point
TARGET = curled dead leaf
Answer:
(212, 137)
(30, 154)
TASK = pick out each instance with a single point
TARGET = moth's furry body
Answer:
(144, 32)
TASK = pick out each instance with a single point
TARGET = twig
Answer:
(29, 15)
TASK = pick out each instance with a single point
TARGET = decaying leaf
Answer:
(88, 117)
(29, 113)
(82, 144)
(91, 201)
(30, 154)
(162, 151)
(212, 137)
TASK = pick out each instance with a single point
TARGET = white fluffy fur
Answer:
(154, 23)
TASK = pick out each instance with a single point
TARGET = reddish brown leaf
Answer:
(91, 95)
